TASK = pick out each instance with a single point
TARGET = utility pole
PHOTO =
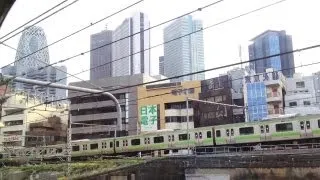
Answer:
(188, 136)
(69, 147)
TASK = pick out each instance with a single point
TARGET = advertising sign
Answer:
(149, 118)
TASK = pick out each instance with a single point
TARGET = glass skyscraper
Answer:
(102, 56)
(184, 55)
(271, 43)
(131, 55)
(256, 99)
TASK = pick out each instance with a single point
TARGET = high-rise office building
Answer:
(100, 59)
(28, 62)
(131, 55)
(270, 43)
(32, 39)
(184, 55)
(161, 65)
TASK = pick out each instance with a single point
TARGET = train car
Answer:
(286, 129)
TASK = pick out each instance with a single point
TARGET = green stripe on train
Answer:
(317, 131)
(247, 138)
(286, 134)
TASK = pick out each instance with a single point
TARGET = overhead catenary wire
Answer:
(169, 41)
(230, 65)
(55, 12)
(59, 4)
(80, 54)
(298, 50)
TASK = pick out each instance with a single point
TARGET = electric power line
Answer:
(161, 44)
(33, 19)
(230, 65)
(165, 22)
(37, 23)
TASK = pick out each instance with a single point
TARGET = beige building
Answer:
(169, 99)
(18, 115)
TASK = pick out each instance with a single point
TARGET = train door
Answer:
(198, 136)
(230, 136)
(146, 143)
(171, 140)
(265, 133)
(305, 129)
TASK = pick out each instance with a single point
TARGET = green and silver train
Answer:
(285, 130)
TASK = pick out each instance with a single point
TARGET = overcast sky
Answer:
(300, 18)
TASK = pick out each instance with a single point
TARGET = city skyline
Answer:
(220, 48)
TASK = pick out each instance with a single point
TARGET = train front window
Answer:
(246, 130)
(284, 127)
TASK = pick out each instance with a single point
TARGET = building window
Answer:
(293, 104)
(300, 84)
(306, 103)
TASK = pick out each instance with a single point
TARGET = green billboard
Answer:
(149, 118)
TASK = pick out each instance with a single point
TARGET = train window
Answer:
(59, 150)
(227, 132)
(94, 146)
(126, 142)
(104, 145)
(267, 128)
(208, 134)
(301, 125)
(123, 143)
(183, 137)
(111, 144)
(84, 147)
(145, 141)
(284, 127)
(148, 140)
(172, 138)
(158, 139)
(135, 142)
(117, 143)
(75, 148)
(318, 123)
(308, 124)
(196, 135)
(218, 133)
(246, 130)
(232, 132)
(169, 138)
(262, 129)
(200, 135)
